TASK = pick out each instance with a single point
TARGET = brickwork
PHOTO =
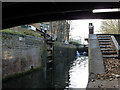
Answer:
(21, 53)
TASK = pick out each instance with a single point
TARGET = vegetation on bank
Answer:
(22, 32)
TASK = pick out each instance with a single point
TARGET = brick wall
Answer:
(21, 53)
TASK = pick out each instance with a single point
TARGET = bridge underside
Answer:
(15, 13)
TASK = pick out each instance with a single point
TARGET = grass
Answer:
(23, 32)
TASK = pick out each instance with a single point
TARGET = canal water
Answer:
(78, 73)
(72, 75)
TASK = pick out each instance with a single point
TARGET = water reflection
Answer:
(67, 74)
(78, 73)
(31, 80)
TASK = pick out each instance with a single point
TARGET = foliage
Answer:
(109, 27)
(22, 32)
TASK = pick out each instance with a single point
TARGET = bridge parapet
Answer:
(95, 56)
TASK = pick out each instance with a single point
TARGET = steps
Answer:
(106, 46)
(110, 56)
(108, 49)
(105, 43)
(103, 36)
(109, 53)
(105, 40)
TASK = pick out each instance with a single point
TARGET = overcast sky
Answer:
(80, 27)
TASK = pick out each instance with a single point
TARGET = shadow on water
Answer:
(35, 79)
(67, 74)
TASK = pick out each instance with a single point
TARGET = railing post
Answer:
(91, 28)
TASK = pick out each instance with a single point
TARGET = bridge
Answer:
(103, 50)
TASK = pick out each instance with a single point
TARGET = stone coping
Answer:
(96, 65)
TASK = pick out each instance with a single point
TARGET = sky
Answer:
(79, 28)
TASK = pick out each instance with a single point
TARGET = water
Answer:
(78, 54)
(67, 74)
(32, 80)
(79, 73)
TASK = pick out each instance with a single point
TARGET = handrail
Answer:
(116, 45)
(42, 32)
(115, 42)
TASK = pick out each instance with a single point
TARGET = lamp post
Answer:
(91, 28)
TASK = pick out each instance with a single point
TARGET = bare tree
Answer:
(109, 27)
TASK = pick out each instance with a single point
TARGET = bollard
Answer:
(91, 28)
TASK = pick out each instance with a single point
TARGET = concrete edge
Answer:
(96, 65)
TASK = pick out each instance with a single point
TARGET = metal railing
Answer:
(116, 45)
